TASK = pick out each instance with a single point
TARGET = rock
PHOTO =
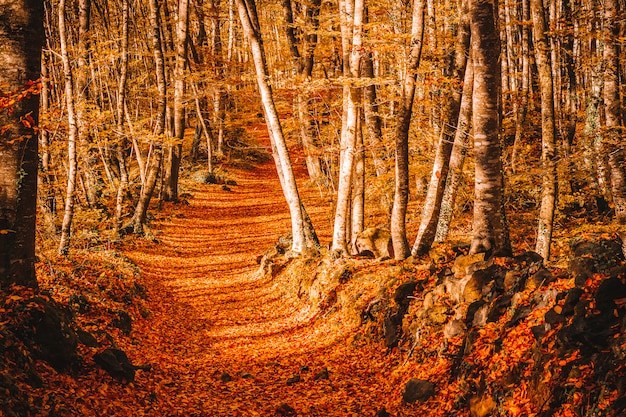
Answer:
(473, 290)
(512, 281)
(466, 264)
(323, 374)
(87, 338)
(606, 253)
(581, 269)
(453, 328)
(376, 240)
(390, 330)
(539, 279)
(572, 298)
(418, 390)
(285, 410)
(116, 363)
(552, 317)
(438, 314)
(54, 338)
(123, 321)
(528, 259)
(610, 290)
(403, 292)
(498, 307)
(383, 413)
(294, 379)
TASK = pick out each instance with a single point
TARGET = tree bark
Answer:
(21, 39)
(432, 203)
(352, 34)
(68, 213)
(250, 24)
(401, 194)
(457, 158)
(613, 110)
(548, 131)
(490, 232)
(147, 190)
(175, 150)
(119, 115)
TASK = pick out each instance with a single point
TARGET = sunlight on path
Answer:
(222, 339)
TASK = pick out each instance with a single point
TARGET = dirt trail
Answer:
(214, 318)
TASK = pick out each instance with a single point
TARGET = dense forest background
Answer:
(418, 147)
(122, 81)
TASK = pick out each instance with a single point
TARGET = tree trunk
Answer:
(548, 131)
(147, 190)
(352, 33)
(68, 213)
(175, 150)
(613, 110)
(490, 232)
(303, 67)
(119, 112)
(250, 24)
(21, 34)
(432, 204)
(401, 195)
(521, 108)
(358, 190)
(457, 158)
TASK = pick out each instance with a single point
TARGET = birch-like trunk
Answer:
(613, 110)
(154, 164)
(457, 158)
(251, 28)
(432, 203)
(175, 150)
(72, 135)
(548, 131)
(352, 40)
(401, 194)
(119, 114)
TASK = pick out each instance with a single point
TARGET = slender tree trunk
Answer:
(522, 94)
(66, 225)
(85, 149)
(175, 150)
(373, 127)
(548, 131)
(613, 110)
(22, 35)
(352, 96)
(154, 166)
(489, 228)
(457, 158)
(119, 113)
(358, 190)
(432, 204)
(250, 24)
(303, 66)
(205, 129)
(401, 195)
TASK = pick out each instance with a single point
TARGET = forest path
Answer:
(213, 315)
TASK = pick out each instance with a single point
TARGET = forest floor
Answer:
(222, 340)
(213, 333)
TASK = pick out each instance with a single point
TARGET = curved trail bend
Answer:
(221, 339)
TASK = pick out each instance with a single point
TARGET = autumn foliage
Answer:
(208, 331)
